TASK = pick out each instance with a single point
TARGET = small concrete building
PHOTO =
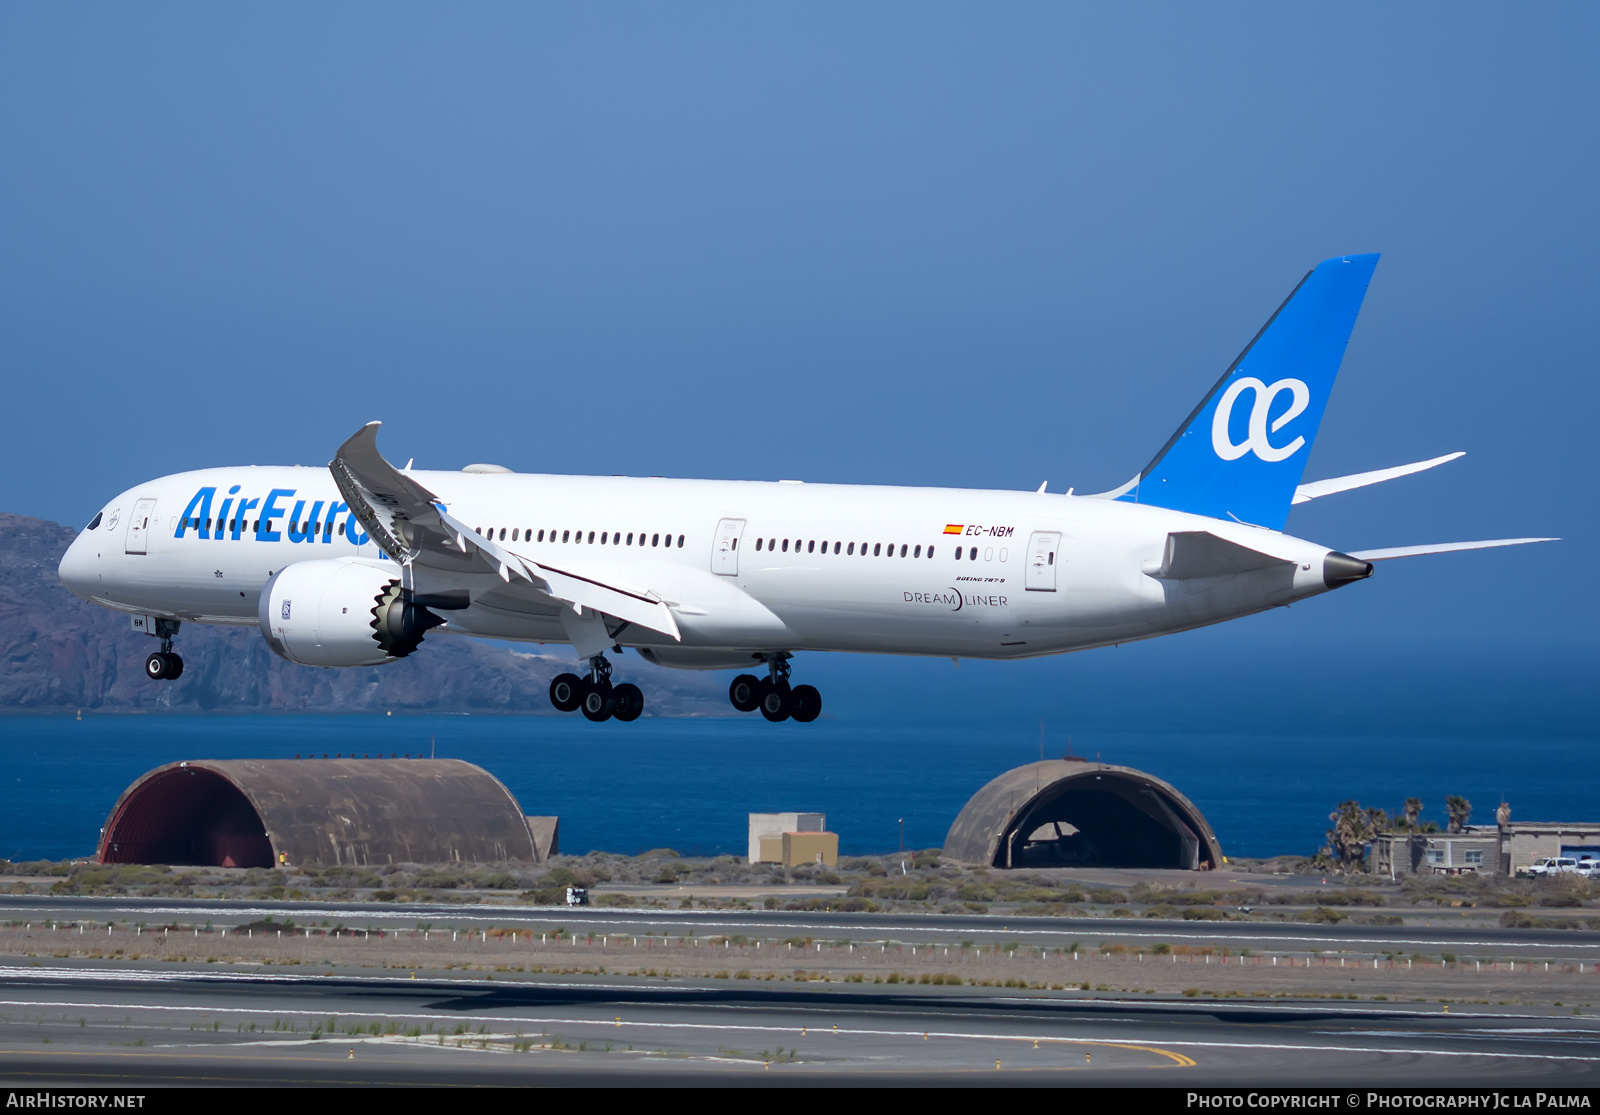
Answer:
(345, 812)
(792, 839)
(1475, 849)
(1523, 843)
(1075, 813)
(1504, 849)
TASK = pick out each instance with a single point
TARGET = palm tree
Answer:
(1352, 828)
(1459, 809)
(1410, 815)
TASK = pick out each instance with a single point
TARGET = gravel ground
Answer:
(505, 954)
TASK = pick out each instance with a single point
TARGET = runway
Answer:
(1535, 944)
(129, 1025)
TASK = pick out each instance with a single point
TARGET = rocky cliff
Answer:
(59, 653)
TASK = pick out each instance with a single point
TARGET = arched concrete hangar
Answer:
(1075, 813)
(345, 812)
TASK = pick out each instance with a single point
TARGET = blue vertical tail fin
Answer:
(1244, 449)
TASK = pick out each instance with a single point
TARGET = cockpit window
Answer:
(94, 522)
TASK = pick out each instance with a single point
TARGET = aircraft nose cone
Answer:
(79, 567)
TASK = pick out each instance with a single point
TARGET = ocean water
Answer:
(688, 783)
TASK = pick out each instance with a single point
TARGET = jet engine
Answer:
(341, 612)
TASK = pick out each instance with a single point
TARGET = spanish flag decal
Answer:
(953, 528)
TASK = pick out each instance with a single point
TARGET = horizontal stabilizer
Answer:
(1192, 554)
(1392, 552)
(1305, 493)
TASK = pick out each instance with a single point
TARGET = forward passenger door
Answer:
(139, 526)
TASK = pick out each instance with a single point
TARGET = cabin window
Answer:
(917, 552)
(785, 545)
(811, 547)
(565, 535)
(902, 549)
(630, 538)
(973, 553)
(852, 549)
(877, 549)
(591, 538)
(502, 534)
(758, 543)
(603, 537)
(836, 547)
(680, 541)
(513, 534)
(541, 536)
(930, 551)
(655, 540)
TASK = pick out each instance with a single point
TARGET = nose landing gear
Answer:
(164, 665)
(772, 695)
(595, 696)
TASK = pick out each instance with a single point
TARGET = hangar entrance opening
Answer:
(1095, 827)
(189, 816)
(1068, 813)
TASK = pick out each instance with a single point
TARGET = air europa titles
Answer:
(257, 519)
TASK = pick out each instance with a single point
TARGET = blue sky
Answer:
(958, 245)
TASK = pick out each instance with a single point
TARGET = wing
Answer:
(409, 522)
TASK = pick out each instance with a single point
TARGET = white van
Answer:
(1555, 865)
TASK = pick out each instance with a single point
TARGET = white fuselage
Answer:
(814, 566)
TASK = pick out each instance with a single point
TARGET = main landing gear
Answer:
(773, 696)
(164, 665)
(595, 696)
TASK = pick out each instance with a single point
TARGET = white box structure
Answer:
(776, 824)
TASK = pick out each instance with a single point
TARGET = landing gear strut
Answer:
(164, 665)
(595, 696)
(773, 696)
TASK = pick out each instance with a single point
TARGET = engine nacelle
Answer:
(341, 612)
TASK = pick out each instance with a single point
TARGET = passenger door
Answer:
(139, 525)
(725, 552)
(1044, 551)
